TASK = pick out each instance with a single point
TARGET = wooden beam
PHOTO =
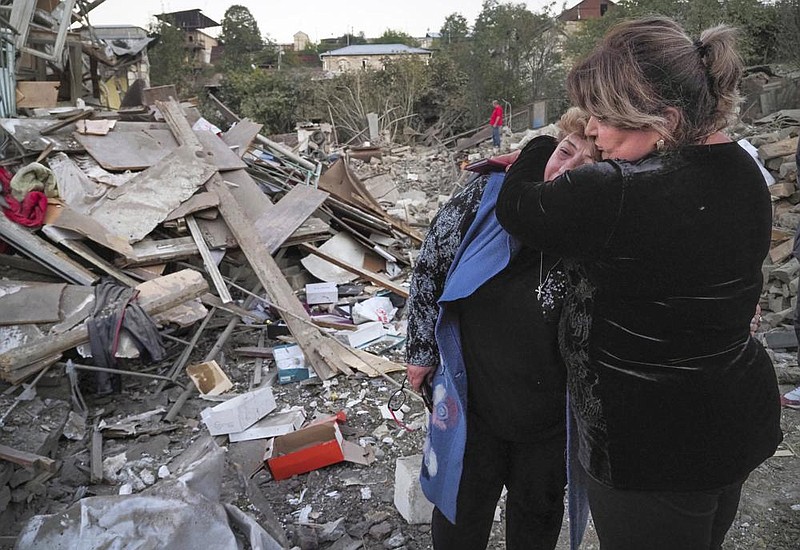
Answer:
(361, 272)
(173, 114)
(27, 460)
(152, 252)
(155, 297)
(278, 290)
(208, 261)
(83, 251)
(45, 253)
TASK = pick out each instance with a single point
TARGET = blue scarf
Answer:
(484, 252)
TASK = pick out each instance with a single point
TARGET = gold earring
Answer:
(660, 145)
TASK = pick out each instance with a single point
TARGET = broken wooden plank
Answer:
(241, 135)
(68, 240)
(250, 197)
(26, 133)
(287, 215)
(52, 128)
(374, 278)
(131, 150)
(208, 261)
(45, 253)
(27, 460)
(270, 276)
(178, 125)
(23, 303)
(218, 153)
(158, 93)
(196, 203)
(20, 375)
(135, 208)
(258, 367)
(156, 252)
(64, 217)
(95, 127)
(24, 264)
(248, 193)
(255, 351)
(155, 297)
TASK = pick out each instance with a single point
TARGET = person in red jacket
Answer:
(496, 121)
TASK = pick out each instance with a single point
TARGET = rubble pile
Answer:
(179, 302)
(775, 137)
(193, 270)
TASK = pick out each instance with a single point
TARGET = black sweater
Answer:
(669, 389)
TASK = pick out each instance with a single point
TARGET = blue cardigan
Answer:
(485, 251)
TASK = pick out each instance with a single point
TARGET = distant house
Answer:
(301, 41)
(123, 59)
(587, 9)
(198, 43)
(430, 39)
(369, 56)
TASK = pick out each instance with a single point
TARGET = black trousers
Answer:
(633, 520)
(534, 475)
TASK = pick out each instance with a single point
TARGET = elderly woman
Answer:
(675, 402)
(483, 316)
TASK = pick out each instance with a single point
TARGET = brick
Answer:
(408, 497)
(780, 149)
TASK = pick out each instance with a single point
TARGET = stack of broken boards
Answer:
(137, 178)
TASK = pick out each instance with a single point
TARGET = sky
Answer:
(280, 19)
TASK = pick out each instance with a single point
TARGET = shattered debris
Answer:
(273, 279)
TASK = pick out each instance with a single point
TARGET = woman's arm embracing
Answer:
(571, 216)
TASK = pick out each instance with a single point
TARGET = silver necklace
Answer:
(542, 283)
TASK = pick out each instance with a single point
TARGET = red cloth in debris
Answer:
(30, 212)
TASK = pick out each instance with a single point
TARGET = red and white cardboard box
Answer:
(311, 448)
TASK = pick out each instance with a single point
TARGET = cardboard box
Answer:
(239, 413)
(209, 378)
(311, 448)
(364, 334)
(306, 450)
(37, 94)
(322, 293)
(291, 363)
(271, 426)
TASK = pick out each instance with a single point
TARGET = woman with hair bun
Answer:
(675, 402)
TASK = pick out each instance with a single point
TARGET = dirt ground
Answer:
(344, 506)
(340, 507)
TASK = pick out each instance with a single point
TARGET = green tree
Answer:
(168, 58)
(241, 38)
(788, 31)
(515, 56)
(276, 99)
(455, 29)
(757, 21)
(391, 36)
